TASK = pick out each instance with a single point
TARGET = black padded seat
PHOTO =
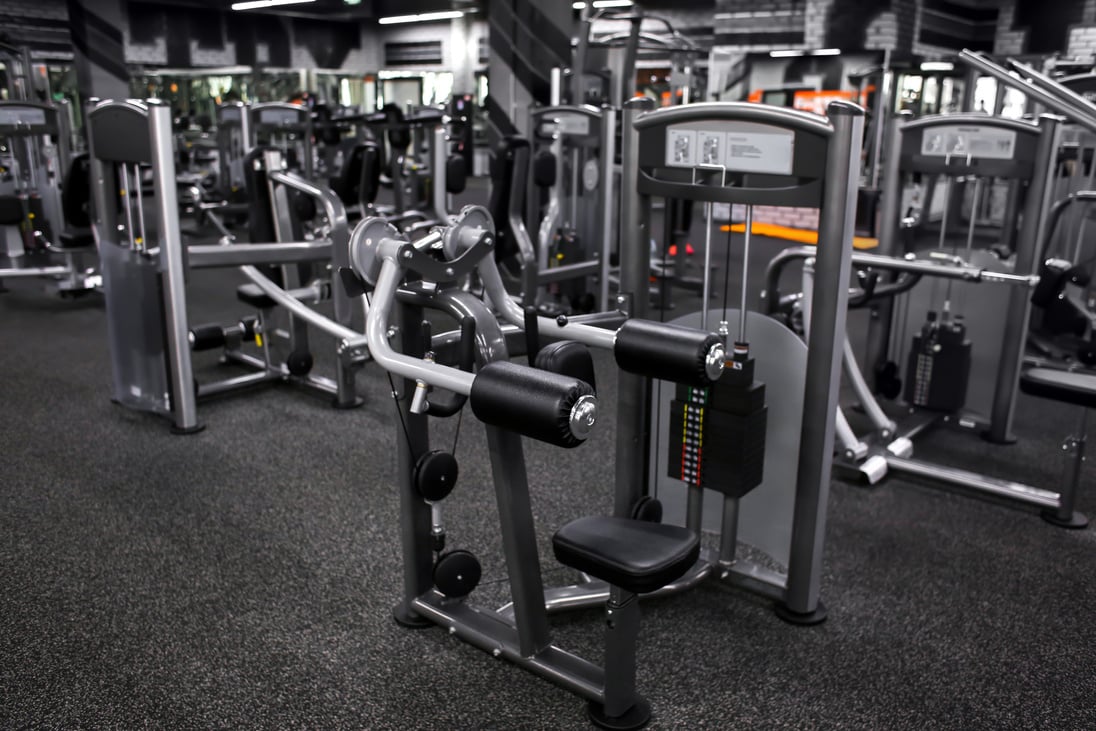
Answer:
(1066, 386)
(77, 239)
(250, 294)
(635, 555)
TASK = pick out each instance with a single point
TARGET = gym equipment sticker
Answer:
(979, 141)
(738, 151)
(22, 115)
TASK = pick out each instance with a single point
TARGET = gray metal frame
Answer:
(1034, 160)
(891, 447)
(824, 174)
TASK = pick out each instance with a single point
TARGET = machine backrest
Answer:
(76, 192)
(502, 179)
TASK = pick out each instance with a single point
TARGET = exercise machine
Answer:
(44, 223)
(145, 264)
(632, 556)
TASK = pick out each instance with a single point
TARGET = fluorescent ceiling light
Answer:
(605, 4)
(937, 66)
(421, 17)
(253, 4)
(793, 52)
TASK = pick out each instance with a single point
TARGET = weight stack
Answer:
(939, 366)
(717, 434)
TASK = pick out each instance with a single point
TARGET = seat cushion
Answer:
(633, 554)
(1067, 386)
(250, 294)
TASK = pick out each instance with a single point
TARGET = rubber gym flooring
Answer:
(243, 577)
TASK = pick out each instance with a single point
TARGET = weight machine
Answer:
(43, 218)
(145, 265)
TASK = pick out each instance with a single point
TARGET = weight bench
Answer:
(1068, 387)
(633, 557)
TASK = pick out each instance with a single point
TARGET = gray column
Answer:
(99, 48)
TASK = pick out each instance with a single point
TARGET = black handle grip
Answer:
(207, 337)
(534, 403)
(667, 352)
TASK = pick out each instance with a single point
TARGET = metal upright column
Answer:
(418, 561)
(184, 400)
(823, 374)
(1032, 234)
(607, 155)
(881, 313)
(634, 397)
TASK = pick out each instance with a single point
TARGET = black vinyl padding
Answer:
(544, 169)
(250, 294)
(260, 219)
(635, 555)
(568, 358)
(76, 192)
(531, 402)
(456, 174)
(359, 179)
(11, 210)
(502, 175)
(667, 352)
(1068, 387)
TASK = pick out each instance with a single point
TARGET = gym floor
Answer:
(243, 577)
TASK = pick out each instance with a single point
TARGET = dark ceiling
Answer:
(329, 9)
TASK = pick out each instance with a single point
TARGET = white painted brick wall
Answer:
(1008, 42)
(792, 217)
(815, 23)
(882, 33)
(1082, 42)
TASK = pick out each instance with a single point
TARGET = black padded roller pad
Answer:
(568, 358)
(1065, 386)
(667, 352)
(633, 554)
(532, 402)
(544, 169)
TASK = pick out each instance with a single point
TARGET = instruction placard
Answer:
(280, 117)
(573, 124)
(972, 140)
(22, 115)
(736, 151)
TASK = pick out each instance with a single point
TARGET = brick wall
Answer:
(1082, 37)
(1008, 42)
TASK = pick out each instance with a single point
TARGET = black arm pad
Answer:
(533, 403)
(668, 352)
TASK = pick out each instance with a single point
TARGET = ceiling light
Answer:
(421, 17)
(785, 54)
(254, 4)
(605, 4)
(827, 52)
(937, 66)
